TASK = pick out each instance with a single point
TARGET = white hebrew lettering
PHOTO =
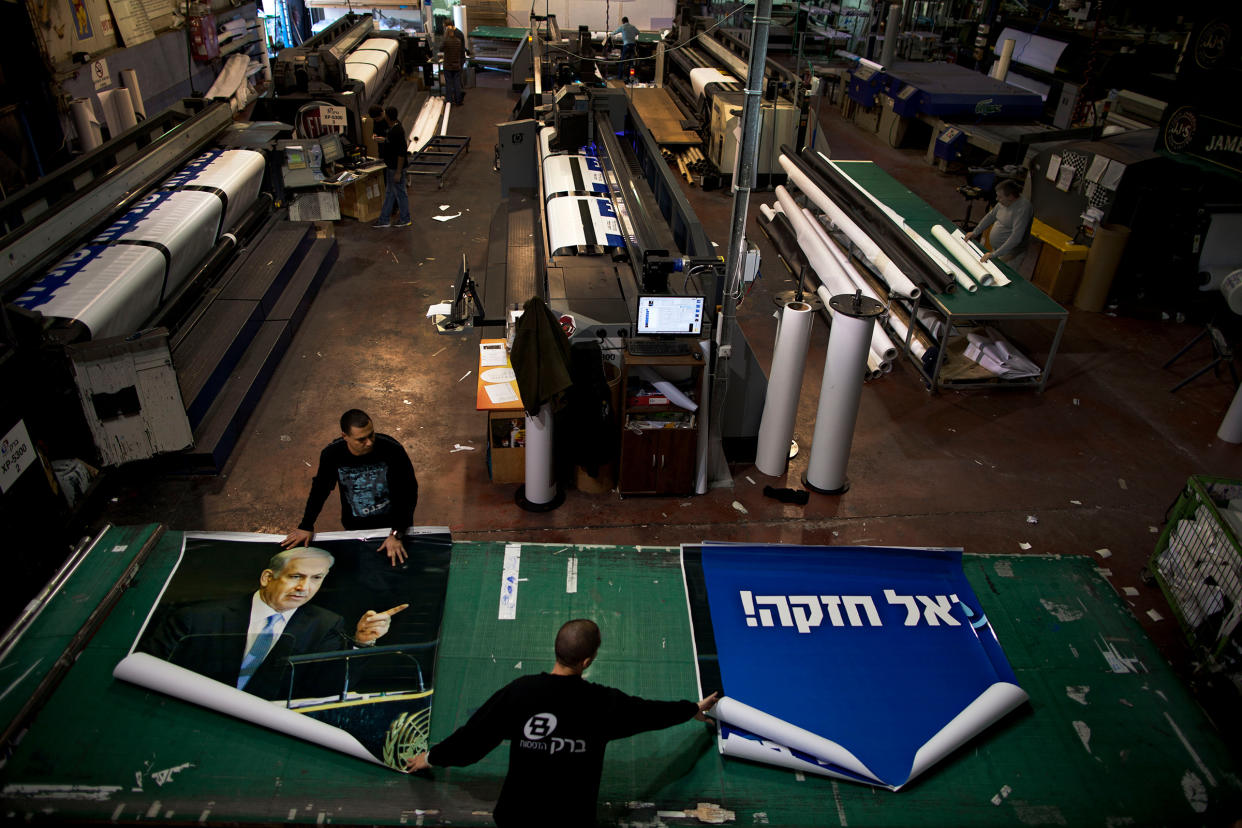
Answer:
(938, 610)
(782, 609)
(912, 609)
(806, 612)
(853, 602)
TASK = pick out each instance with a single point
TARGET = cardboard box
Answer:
(506, 464)
(362, 198)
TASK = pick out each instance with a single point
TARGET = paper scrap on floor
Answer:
(995, 354)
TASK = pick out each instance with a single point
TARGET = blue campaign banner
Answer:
(874, 649)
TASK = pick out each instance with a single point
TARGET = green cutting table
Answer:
(1109, 737)
(1019, 300)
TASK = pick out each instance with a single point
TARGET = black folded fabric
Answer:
(797, 496)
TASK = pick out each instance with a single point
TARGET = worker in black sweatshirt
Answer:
(376, 480)
(558, 725)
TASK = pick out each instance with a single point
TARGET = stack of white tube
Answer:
(835, 272)
(432, 120)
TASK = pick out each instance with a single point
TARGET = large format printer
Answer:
(349, 64)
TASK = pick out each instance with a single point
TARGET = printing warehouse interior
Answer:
(846, 287)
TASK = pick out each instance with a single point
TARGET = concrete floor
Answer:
(1091, 463)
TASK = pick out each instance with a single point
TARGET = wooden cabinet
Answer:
(659, 441)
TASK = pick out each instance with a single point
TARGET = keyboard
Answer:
(658, 347)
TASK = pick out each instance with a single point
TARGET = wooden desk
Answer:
(1059, 268)
(506, 463)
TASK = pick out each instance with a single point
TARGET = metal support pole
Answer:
(748, 154)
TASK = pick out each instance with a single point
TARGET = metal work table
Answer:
(102, 749)
(1019, 300)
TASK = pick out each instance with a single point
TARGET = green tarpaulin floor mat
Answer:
(1109, 738)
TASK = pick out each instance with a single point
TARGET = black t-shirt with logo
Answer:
(378, 489)
(557, 727)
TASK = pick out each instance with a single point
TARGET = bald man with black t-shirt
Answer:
(558, 725)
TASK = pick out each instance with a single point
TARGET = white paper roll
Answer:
(767, 211)
(90, 133)
(962, 253)
(997, 276)
(1231, 427)
(739, 714)
(118, 109)
(839, 395)
(129, 77)
(540, 486)
(780, 406)
(1231, 289)
(897, 281)
(700, 78)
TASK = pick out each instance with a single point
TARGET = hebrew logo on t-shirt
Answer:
(539, 725)
(365, 488)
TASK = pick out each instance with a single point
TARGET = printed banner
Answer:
(332, 644)
(862, 663)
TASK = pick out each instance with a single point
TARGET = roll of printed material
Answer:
(839, 395)
(582, 225)
(168, 678)
(540, 485)
(90, 133)
(780, 406)
(741, 715)
(235, 176)
(999, 279)
(118, 109)
(129, 78)
(572, 175)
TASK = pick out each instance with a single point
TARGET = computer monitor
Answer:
(333, 150)
(669, 315)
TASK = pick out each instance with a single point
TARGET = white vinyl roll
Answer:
(365, 73)
(829, 269)
(1231, 289)
(118, 109)
(767, 211)
(701, 77)
(231, 77)
(129, 77)
(741, 715)
(780, 406)
(839, 396)
(540, 485)
(962, 253)
(998, 277)
(448, 107)
(897, 281)
(460, 19)
(1231, 427)
(90, 133)
(546, 136)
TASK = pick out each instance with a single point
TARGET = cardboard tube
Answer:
(780, 407)
(1102, 260)
(1001, 68)
(540, 485)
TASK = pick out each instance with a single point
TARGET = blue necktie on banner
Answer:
(258, 651)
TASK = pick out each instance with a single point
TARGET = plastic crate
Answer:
(1198, 562)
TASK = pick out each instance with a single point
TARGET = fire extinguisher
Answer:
(204, 44)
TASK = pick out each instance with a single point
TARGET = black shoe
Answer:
(381, 224)
(402, 224)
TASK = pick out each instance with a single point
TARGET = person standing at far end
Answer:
(454, 49)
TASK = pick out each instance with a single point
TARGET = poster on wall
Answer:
(868, 664)
(329, 643)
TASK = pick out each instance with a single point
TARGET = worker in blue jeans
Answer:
(454, 49)
(629, 47)
(392, 147)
